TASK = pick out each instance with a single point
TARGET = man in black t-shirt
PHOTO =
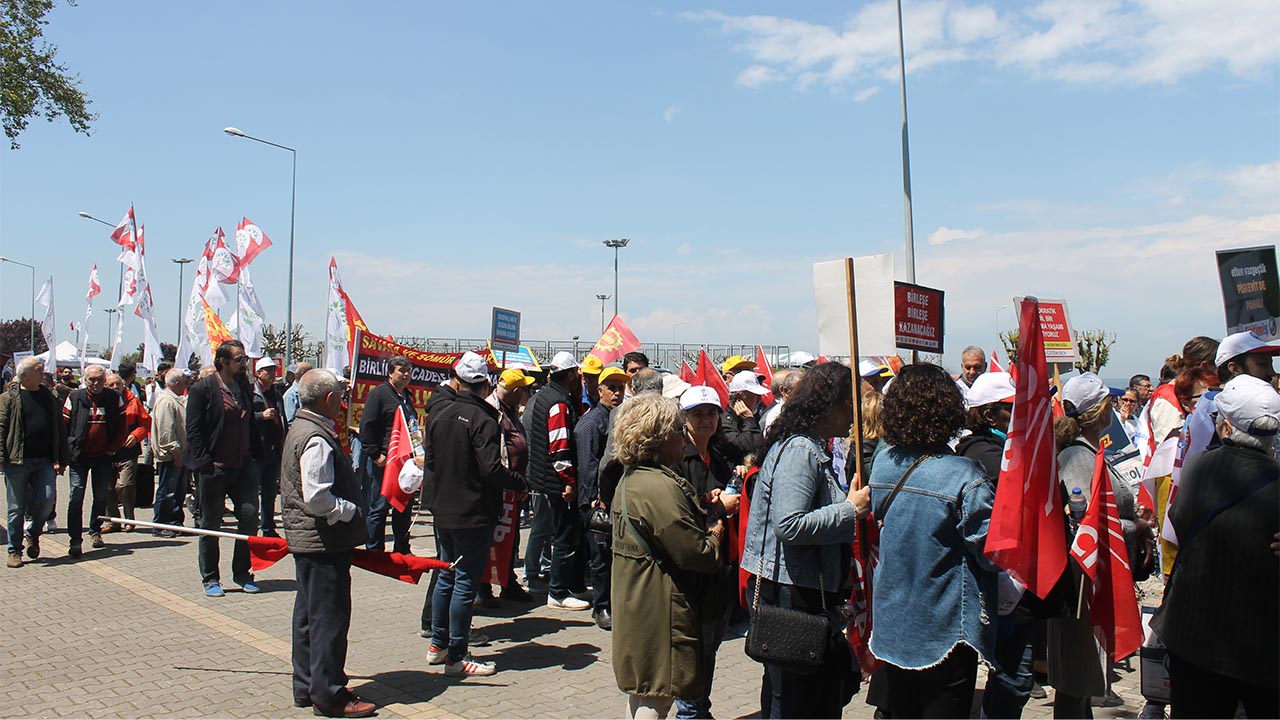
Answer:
(33, 450)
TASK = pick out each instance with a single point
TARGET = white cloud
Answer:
(866, 93)
(1256, 183)
(1076, 41)
(669, 115)
(945, 235)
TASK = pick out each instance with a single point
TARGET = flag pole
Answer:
(858, 480)
(176, 528)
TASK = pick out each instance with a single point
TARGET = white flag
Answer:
(336, 353)
(48, 326)
(247, 324)
(94, 288)
(195, 334)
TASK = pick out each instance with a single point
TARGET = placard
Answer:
(1250, 290)
(873, 283)
(1055, 325)
(917, 317)
(506, 330)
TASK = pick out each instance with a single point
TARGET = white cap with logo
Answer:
(1245, 399)
(746, 381)
(471, 368)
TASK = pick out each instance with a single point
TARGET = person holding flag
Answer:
(1077, 670)
(376, 425)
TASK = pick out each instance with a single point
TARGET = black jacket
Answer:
(441, 398)
(464, 455)
(204, 422)
(704, 479)
(589, 435)
(272, 432)
(378, 418)
(738, 437)
(985, 448)
(78, 419)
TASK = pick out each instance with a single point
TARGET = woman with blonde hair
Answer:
(665, 551)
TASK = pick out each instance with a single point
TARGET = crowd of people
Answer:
(675, 513)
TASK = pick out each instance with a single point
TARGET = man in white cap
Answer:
(268, 410)
(740, 433)
(1244, 353)
(549, 419)
(1225, 594)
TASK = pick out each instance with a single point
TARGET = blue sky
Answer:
(454, 157)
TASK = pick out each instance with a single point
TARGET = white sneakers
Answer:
(436, 656)
(568, 603)
(468, 666)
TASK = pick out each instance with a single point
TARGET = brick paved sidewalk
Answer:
(126, 632)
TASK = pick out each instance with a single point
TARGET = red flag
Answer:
(994, 364)
(616, 340)
(1100, 551)
(497, 569)
(250, 240)
(709, 375)
(94, 286)
(266, 551)
(126, 230)
(399, 451)
(1027, 536)
(405, 568)
(763, 368)
(686, 373)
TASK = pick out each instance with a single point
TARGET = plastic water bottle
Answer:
(735, 485)
(1077, 504)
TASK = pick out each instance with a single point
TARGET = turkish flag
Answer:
(1027, 535)
(687, 374)
(708, 374)
(399, 451)
(763, 368)
(1100, 551)
(616, 340)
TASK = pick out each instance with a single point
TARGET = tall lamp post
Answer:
(120, 284)
(111, 312)
(906, 152)
(182, 263)
(616, 245)
(4, 259)
(293, 196)
(601, 298)
(673, 329)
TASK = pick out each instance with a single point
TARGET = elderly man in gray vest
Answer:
(322, 522)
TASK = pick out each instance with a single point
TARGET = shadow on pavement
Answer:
(527, 627)
(401, 686)
(281, 585)
(533, 656)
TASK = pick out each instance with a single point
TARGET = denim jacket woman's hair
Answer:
(923, 409)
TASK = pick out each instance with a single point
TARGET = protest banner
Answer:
(1055, 327)
(522, 359)
(918, 320)
(1250, 290)
(505, 335)
(370, 369)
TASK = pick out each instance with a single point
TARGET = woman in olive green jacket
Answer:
(664, 555)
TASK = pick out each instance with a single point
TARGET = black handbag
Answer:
(796, 640)
(598, 520)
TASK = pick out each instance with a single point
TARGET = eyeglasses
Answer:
(242, 358)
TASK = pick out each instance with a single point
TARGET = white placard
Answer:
(873, 283)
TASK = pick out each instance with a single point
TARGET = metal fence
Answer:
(663, 355)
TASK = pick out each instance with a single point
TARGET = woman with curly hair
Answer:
(935, 591)
(798, 539)
(665, 550)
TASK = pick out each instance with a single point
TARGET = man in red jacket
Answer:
(137, 424)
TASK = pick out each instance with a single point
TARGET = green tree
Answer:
(1009, 339)
(15, 336)
(1094, 347)
(34, 83)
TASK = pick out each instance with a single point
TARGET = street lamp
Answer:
(673, 330)
(110, 321)
(181, 262)
(616, 245)
(602, 298)
(4, 259)
(998, 310)
(293, 196)
(120, 284)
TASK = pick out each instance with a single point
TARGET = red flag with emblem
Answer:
(764, 369)
(250, 240)
(125, 232)
(399, 452)
(1027, 535)
(616, 340)
(1100, 551)
(708, 374)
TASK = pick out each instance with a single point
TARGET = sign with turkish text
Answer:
(1250, 290)
(523, 359)
(506, 330)
(1055, 325)
(371, 368)
(917, 317)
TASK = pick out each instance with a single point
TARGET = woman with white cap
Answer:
(740, 433)
(1077, 668)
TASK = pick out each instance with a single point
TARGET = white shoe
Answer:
(468, 666)
(569, 603)
(436, 656)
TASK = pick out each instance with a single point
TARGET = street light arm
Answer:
(237, 133)
(87, 216)
(15, 262)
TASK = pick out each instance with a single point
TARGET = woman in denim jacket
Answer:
(799, 534)
(935, 591)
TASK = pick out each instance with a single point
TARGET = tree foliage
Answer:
(304, 346)
(34, 83)
(1009, 339)
(15, 336)
(1094, 347)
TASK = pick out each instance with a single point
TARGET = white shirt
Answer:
(316, 465)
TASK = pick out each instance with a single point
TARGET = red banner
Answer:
(616, 340)
(498, 568)
(917, 318)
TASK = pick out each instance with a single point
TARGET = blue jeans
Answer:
(1009, 682)
(101, 474)
(170, 480)
(455, 594)
(30, 489)
(537, 561)
(378, 508)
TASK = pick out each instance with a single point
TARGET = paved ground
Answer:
(125, 632)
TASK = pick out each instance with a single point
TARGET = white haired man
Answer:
(33, 450)
(169, 440)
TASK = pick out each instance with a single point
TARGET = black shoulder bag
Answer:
(794, 639)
